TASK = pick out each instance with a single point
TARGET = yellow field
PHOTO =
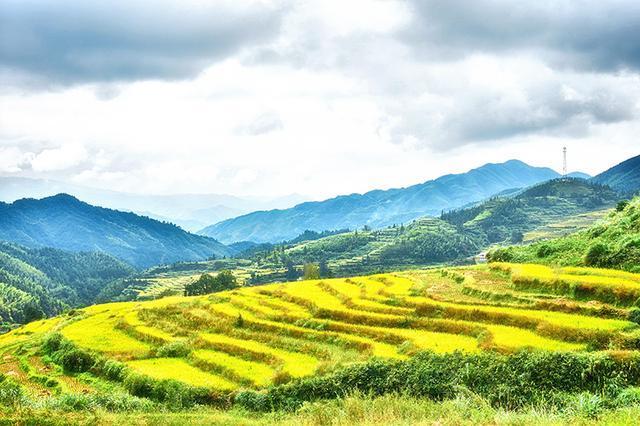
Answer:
(256, 336)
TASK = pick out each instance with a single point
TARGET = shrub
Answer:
(11, 394)
(73, 359)
(177, 349)
(597, 255)
(114, 370)
(634, 315)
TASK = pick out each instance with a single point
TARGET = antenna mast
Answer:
(564, 161)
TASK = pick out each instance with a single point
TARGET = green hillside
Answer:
(67, 223)
(613, 243)
(507, 219)
(35, 283)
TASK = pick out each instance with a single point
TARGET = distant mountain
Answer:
(452, 237)
(64, 222)
(190, 211)
(41, 282)
(380, 208)
(624, 177)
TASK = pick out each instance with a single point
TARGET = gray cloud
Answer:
(79, 41)
(581, 34)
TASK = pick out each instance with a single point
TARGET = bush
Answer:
(177, 349)
(11, 394)
(634, 315)
(73, 359)
(598, 255)
(514, 381)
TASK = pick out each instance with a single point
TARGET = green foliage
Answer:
(11, 393)
(614, 243)
(525, 378)
(206, 284)
(177, 349)
(311, 271)
(35, 283)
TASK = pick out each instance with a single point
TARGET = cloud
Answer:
(581, 34)
(264, 123)
(13, 160)
(78, 41)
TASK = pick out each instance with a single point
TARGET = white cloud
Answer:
(64, 157)
(14, 160)
(340, 97)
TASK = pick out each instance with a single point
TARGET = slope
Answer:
(380, 208)
(40, 282)
(64, 222)
(506, 219)
(613, 243)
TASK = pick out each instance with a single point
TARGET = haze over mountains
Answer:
(190, 211)
(381, 208)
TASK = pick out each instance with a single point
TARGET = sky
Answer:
(318, 98)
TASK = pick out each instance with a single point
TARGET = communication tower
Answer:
(564, 161)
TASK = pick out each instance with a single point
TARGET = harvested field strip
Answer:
(68, 384)
(10, 367)
(178, 369)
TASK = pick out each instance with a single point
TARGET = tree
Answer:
(517, 237)
(311, 271)
(206, 284)
(324, 270)
(292, 273)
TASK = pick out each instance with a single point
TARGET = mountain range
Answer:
(380, 208)
(190, 211)
(64, 222)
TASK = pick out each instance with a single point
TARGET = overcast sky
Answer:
(313, 97)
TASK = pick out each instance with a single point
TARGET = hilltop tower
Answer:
(564, 161)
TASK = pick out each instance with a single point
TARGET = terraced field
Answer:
(253, 337)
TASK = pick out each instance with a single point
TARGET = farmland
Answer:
(227, 345)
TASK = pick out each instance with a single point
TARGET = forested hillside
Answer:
(613, 243)
(506, 219)
(41, 282)
(67, 223)
(378, 209)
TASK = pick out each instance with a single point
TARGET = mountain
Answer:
(190, 211)
(64, 222)
(624, 177)
(380, 208)
(612, 243)
(579, 175)
(453, 237)
(41, 282)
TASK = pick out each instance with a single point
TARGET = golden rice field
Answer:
(253, 337)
